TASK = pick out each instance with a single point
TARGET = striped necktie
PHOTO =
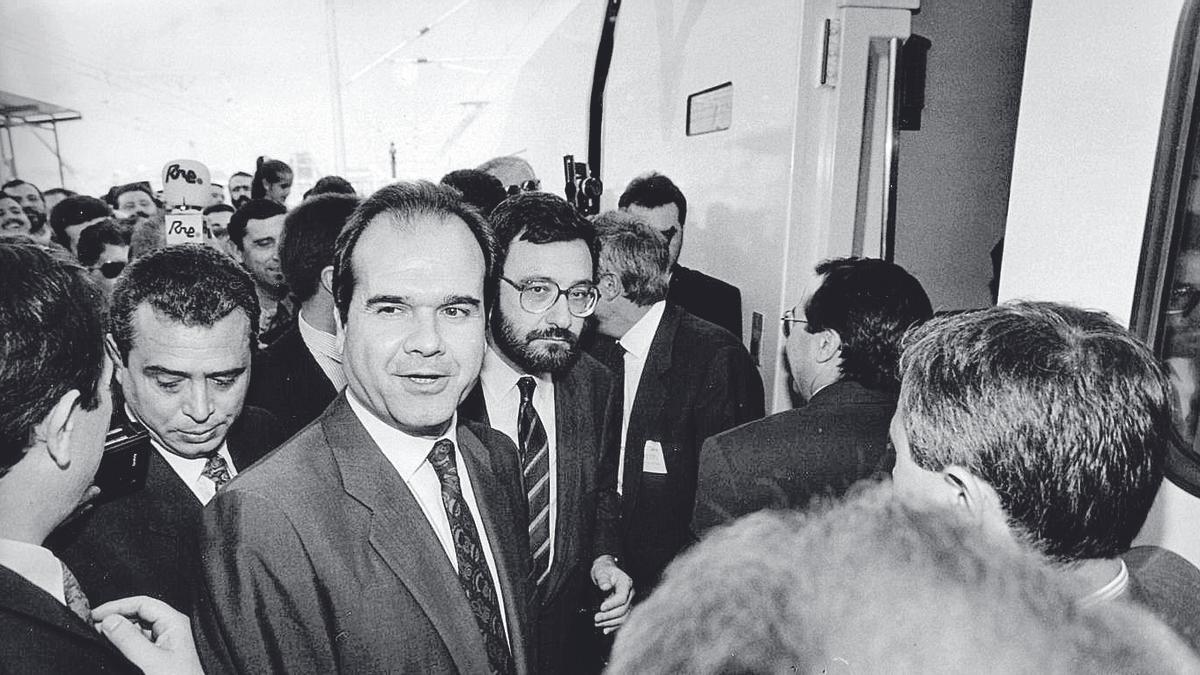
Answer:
(535, 462)
(473, 573)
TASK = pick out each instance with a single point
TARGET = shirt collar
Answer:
(188, 468)
(318, 340)
(637, 339)
(36, 564)
(1110, 591)
(500, 378)
(405, 451)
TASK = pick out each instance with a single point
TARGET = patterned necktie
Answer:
(76, 600)
(535, 463)
(216, 470)
(473, 573)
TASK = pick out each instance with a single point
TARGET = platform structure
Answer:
(22, 111)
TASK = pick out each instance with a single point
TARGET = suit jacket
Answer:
(587, 408)
(708, 298)
(43, 636)
(783, 461)
(286, 380)
(143, 543)
(697, 382)
(1168, 586)
(320, 560)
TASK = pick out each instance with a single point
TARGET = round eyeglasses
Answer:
(539, 296)
(789, 317)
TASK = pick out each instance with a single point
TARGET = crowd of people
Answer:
(462, 427)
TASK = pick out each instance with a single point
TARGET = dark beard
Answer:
(239, 202)
(36, 219)
(518, 349)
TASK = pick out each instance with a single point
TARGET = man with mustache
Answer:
(561, 407)
(181, 325)
(29, 196)
(13, 219)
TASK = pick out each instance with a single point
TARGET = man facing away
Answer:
(1049, 424)
(684, 379)
(562, 409)
(386, 535)
(181, 326)
(842, 345)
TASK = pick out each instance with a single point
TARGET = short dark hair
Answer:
(17, 182)
(636, 253)
(310, 233)
(192, 284)
(1061, 410)
(94, 237)
(235, 174)
(870, 304)
(73, 211)
(540, 218)
(140, 186)
(404, 201)
(267, 171)
(255, 209)
(653, 190)
(330, 185)
(53, 340)
(479, 188)
(58, 191)
(218, 208)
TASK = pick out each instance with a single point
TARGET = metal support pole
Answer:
(58, 154)
(335, 86)
(12, 150)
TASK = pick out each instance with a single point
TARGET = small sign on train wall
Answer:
(710, 110)
(185, 194)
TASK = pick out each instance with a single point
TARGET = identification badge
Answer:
(653, 460)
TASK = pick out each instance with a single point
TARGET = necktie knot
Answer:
(526, 385)
(442, 457)
(216, 469)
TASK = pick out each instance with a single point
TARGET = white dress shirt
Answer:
(636, 342)
(1110, 591)
(36, 564)
(189, 470)
(410, 456)
(503, 401)
(325, 349)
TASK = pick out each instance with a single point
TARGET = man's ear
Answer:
(54, 431)
(609, 287)
(827, 345)
(974, 494)
(326, 279)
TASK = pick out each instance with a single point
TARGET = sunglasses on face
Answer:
(789, 317)
(525, 186)
(111, 270)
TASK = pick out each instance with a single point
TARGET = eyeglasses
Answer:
(539, 296)
(525, 186)
(111, 270)
(789, 318)
(1183, 299)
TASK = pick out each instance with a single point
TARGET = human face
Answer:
(187, 383)
(137, 202)
(414, 334)
(31, 200)
(218, 230)
(545, 342)
(216, 194)
(239, 190)
(260, 252)
(13, 219)
(665, 219)
(111, 258)
(278, 192)
(800, 348)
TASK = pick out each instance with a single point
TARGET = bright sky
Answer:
(224, 81)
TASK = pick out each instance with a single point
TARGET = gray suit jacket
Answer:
(319, 560)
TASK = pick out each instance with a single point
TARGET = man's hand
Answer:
(150, 633)
(619, 587)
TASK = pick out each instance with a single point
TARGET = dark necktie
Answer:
(535, 463)
(77, 602)
(473, 573)
(216, 469)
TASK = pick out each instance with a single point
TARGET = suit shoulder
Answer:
(701, 281)
(786, 424)
(296, 462)
(706, 334)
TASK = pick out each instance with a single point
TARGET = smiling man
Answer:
(181, 329)
(384, 536)
(255, 232)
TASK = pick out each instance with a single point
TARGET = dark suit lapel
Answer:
(648, 404)
(23, 597)
(166, 493)
(402, 536)
(571, 424)
(473, 407)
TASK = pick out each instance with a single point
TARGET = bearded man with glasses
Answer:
(562, 409)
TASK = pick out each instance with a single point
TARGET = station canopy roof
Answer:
(16, 110)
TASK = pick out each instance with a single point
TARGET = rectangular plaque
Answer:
(710, 110)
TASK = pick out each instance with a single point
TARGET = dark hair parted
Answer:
(53, 340)
(479, 188)
(74, 211)
(870, 304)
(1062, 411)
(267, 171)
(540, 218)
(634, 252)
(255, 209)
(653, 190)
(310, 232)
(192, 284)
(96, 236)
(401, 203)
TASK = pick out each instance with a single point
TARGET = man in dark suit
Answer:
(658, 202)
(562, 408)
(54, 381)
(300, 373)
(386, 536)
(684, 379)
(182, 323)
(842, 343)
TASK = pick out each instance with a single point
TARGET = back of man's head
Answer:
(870, 304)
(514, 173)
(191, 284)
(73, 211)
(331, 185)
(1063, 412)
(653, 190)
(479, 189)
(876, 585)
(255, 209)
(52, 340)
(218, 208)
(310, 232)
(636, 254)
(539, 218)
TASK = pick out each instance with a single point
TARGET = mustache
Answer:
(553, 333)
